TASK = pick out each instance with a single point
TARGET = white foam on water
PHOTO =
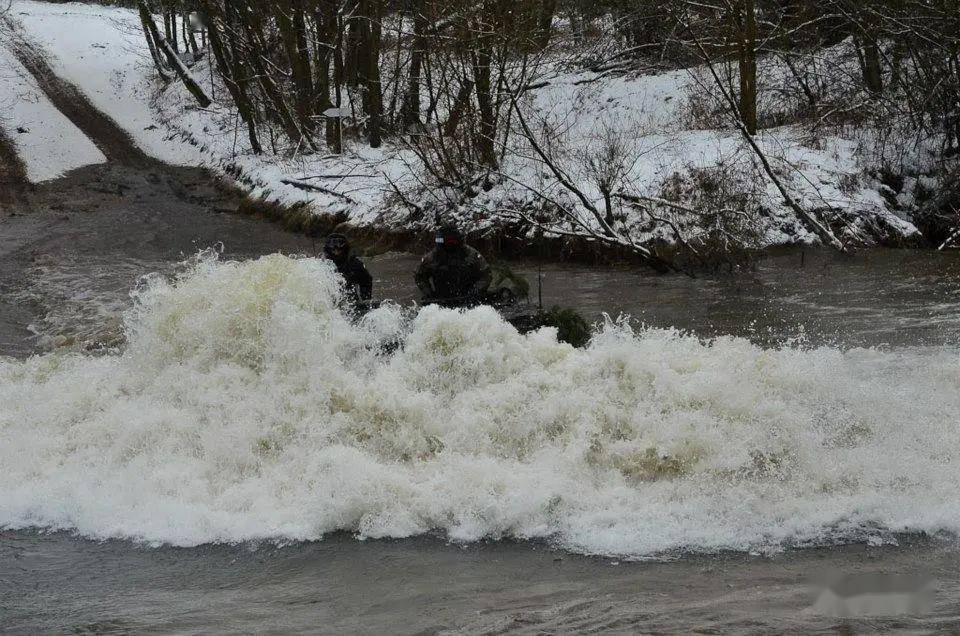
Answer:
(246, 406)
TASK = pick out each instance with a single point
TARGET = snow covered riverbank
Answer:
(673, 151)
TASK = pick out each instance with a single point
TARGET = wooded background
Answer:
(447, 79)
(455, 65)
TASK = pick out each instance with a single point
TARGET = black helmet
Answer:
(448, 236)
(336, 247)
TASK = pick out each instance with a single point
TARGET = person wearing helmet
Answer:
(452, 272)
(359, 282)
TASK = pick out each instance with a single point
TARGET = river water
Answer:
(247, 459)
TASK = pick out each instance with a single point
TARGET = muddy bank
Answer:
(15, 189)
(502, 244)
(512, 242)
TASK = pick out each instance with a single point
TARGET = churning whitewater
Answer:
(246, 405)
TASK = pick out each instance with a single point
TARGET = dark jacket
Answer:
(453, 273)
(359, 282)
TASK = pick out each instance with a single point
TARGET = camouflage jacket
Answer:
(358, 281)
(453, 273)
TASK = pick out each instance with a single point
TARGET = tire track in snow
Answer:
(111, 139)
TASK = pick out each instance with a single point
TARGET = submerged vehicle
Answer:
(509, 295)
(457, 276)
(522, 315)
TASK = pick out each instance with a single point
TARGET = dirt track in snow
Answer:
(15, 188)
(71, 248)
(110, 138)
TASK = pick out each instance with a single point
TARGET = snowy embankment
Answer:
(675, 150)
(47, 143)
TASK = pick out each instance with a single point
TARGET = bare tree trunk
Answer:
(338, 79)
(410, 111)
(146, 19)
(325, 21)
(872, 71)
(329, 45)
(352, 50)
(374, 87)
(481, 60)
(368, 33)
(173, 30)
(290, 22)
(252, 25)
(548, 8)
(188, 28)
(747, 45)
(235, 86)
(608, 209)
(185, 32)
(460, 104)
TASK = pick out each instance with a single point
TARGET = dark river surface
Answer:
(68, 263)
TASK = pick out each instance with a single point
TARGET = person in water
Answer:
(359, 282)
(453, 272)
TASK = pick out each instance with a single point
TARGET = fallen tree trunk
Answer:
(173, 58)
(312, 187)
(185, 75)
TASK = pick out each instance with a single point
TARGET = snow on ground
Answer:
(46, 141)
(657, 115)
(102, 51)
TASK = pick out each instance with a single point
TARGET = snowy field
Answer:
(103, 52)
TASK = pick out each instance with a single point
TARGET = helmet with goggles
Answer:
(336, 246)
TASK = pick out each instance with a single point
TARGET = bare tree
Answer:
(444, 81)
(607, 164)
